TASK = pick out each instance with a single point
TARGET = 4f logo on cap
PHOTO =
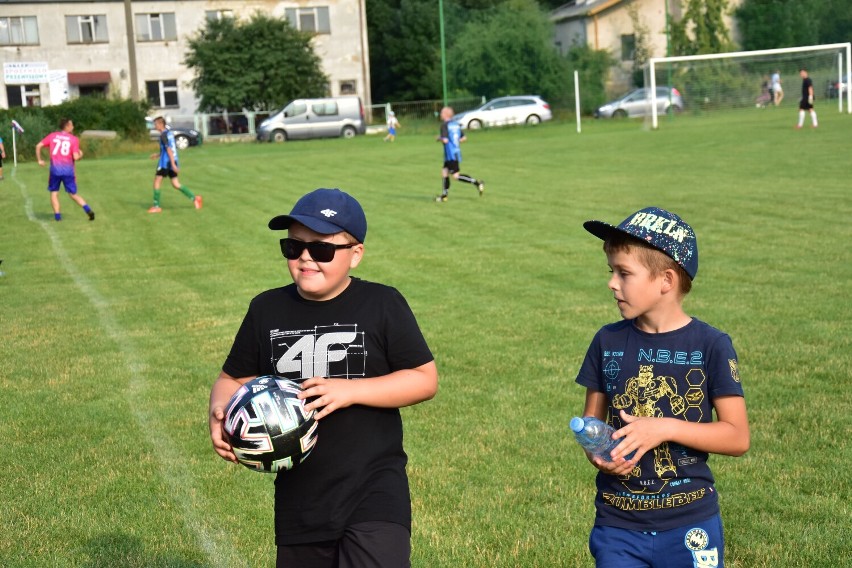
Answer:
(328, 212)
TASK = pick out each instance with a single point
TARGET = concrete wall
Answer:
(344, 52)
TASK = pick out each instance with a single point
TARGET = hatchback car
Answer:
(184, 137)
(638, 103)
(527, 109)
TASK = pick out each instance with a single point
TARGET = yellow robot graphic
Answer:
(640, 399)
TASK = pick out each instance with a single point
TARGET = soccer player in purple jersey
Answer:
(64, 150)
(2, 157)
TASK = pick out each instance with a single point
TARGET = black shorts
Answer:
(452, 166)
(805, 105)
(167, 172)
(372, 543)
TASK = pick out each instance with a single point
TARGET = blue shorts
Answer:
(700, 545)
(69, 181)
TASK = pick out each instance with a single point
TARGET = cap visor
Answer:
(316, 225)
(600, 229)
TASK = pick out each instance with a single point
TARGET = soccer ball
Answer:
(267, 425)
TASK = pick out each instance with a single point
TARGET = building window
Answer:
(22, 30)
(86, 29)
(216, 15)
(162, 94)
(628, 47)
(348, 87)
(311, 20)
(156, 27)
(23, 95)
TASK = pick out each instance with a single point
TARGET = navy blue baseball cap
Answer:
(661, 229)
(326, 211)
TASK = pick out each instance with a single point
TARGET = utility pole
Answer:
(443, 51)
(131, 50)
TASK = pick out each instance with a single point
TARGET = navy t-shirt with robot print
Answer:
(675, 374)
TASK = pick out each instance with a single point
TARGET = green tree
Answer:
(404, 35)
(413, 54)
(382, 24)
(508, 50)
(769, 24)
(702, 29)
(592, 66)
(834, 20)
(258, 64)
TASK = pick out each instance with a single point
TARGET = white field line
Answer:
(215, 542)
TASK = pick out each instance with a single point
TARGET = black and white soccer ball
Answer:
(267, 425)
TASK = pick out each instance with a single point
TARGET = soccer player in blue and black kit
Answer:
(167, 166)
(452, 137)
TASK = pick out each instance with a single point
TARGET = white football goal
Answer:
(722, 81)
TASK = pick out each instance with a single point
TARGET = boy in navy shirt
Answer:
(658, 376)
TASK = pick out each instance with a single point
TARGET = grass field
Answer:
(113, 331)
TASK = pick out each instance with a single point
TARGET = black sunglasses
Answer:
(319, 251)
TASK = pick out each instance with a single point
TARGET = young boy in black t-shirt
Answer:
(358, 352)
(658, 376)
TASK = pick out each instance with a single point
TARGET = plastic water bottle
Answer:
(596, 437)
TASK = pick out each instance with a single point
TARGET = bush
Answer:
(592, 67)
(125, 117)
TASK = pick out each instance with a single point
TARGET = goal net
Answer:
(713, 83)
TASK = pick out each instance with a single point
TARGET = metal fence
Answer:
(377, 114)
(242, 126)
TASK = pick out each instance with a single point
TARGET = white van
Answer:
(315, 118)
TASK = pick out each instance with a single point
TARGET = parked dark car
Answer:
(833, 88)
(184, 137)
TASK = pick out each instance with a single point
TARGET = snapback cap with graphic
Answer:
(326, 211)
(661, 229)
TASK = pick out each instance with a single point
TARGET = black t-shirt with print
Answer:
(356, 471)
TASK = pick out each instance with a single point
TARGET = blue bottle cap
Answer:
(577, 424)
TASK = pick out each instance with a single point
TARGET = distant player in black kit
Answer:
(807, 102)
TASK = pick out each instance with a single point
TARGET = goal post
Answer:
(737, 73)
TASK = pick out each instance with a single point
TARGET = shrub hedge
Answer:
(125, 117)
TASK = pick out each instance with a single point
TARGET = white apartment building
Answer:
(55, 50)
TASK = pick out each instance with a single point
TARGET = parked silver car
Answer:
(527, 109)
(638, 103)
(315, 118)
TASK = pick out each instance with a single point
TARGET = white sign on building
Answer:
(58, 86)
(25, 73)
